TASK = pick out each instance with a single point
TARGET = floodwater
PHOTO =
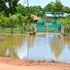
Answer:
(41, 47)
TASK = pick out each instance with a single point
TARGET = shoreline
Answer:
(7, 63)
(18, 62)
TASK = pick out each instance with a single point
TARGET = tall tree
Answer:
(36, 10)
(2, 5)
(9, 6)
(48, 7)
(66, 9)
(57, 6)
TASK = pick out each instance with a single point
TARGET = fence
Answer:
(48, 28)
(41, 28)
(53, 28)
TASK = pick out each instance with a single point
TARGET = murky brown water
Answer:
(42, 47)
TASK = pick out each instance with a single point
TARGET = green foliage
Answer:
(48, 7)
(25, 11)
(66, 9)
(20, 19)
(40, 22)
(36, 10)
(3, 20)
(66, 23)
(12, 20)
(20, 9)
(2, 5)
(21, 16)
(10, 9)
(57, 6)
(55, 22)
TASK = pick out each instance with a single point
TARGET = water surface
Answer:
(42, 47)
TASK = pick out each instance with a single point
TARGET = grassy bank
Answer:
(15, 30)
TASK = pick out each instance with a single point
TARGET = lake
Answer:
(41, 47)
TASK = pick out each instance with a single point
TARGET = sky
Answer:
(42, 3)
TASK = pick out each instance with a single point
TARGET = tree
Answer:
(57, 6)
(1, 5)
(20, 9)
(66, 9)
(48, 7)
(36, 10)
(29, 22)
(3, 20)
(9, 6)
(21, 20)
(66, 23)
(25, 11)
(11, 22)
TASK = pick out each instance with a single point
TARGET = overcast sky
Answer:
(42, 3)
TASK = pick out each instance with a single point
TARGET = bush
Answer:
(66, 23)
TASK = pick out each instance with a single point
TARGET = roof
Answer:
(36, 17)
(49, 14)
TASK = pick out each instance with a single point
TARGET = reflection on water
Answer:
(57, 44)
(42, 47)
(9, 43)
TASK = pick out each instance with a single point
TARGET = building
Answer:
(39, 25)
(36, 18)
(49, 17)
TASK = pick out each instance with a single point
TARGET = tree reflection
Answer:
(31, 40)
(57, 44)
(9, 43)
(67, 41)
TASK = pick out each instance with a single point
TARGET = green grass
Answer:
(8, 30)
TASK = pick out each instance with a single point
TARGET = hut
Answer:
(49, 16)
(36, 18)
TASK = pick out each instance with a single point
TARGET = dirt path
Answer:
(39, 67)
(15, 64)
